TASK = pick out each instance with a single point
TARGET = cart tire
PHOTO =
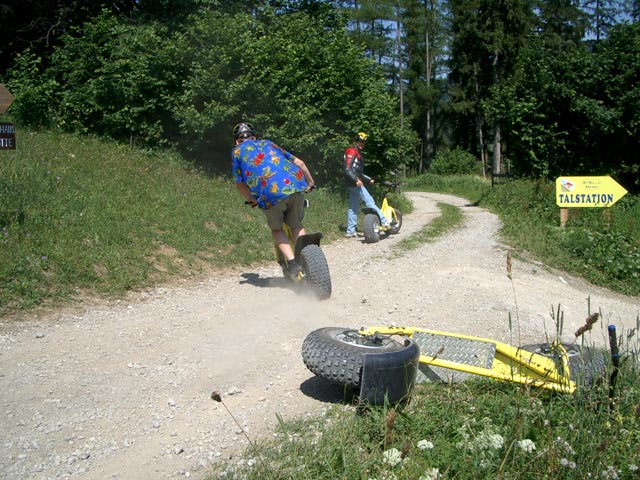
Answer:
(316, 271)
(586, 364)
(336, 353)
(371, 227)
(396, 222)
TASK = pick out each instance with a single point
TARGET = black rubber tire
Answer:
(395, 227)
(336, 353)
(586, 364)
(371, 228)
(316, 271)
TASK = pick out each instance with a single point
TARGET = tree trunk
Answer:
(497, 143)
(400, 72)
(497, 149)
(482, 146)
(428, 148)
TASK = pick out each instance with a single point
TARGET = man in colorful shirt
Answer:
(273, 179)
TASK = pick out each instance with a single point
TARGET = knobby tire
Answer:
(329, 354)
(586, 365)
(316, 271)
(371, 227)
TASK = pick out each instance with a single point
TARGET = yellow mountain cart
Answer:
(385, 362)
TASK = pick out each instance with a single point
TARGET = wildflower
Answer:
(527, 445)
(425, 445)
(565, 445)
(610, 473)
(492, 441)
(566, 463)
(431, 474)
(392, 457)
(633, 468)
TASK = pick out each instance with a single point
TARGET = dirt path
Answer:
(122, 390)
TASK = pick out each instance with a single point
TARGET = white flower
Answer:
(610, 473)
(495, 441)
(425, 445)
(392, 457)
(527, 445)
(633, 468)
(431, 474)
(566, 463)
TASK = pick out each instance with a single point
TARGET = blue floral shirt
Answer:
(267, 170)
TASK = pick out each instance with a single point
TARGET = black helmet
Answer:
(243, 128)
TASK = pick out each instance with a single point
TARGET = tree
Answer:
(298, 76)
(560, 23)
(305, 83)
(39, 24)
(602, 15)
(426, 38)
(487, 38)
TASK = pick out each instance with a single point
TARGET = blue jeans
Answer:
(355, 195)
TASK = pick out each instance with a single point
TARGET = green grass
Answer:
(450, 217)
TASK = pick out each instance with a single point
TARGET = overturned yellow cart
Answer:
(384, 362)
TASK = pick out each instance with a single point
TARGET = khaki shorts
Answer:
(289, 211)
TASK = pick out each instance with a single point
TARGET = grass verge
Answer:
(450, 217)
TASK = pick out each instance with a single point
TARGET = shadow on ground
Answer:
(265, 282)
(324, 391)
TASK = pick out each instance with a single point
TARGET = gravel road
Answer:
(121, 390)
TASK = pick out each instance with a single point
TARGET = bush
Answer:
(453, 162)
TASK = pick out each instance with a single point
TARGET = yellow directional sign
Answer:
(572, 192)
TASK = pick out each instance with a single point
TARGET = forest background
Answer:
(534, 88)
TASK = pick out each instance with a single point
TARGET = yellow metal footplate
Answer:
(453, 357)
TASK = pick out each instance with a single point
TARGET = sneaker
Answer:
(293, 268)
(350, 235)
